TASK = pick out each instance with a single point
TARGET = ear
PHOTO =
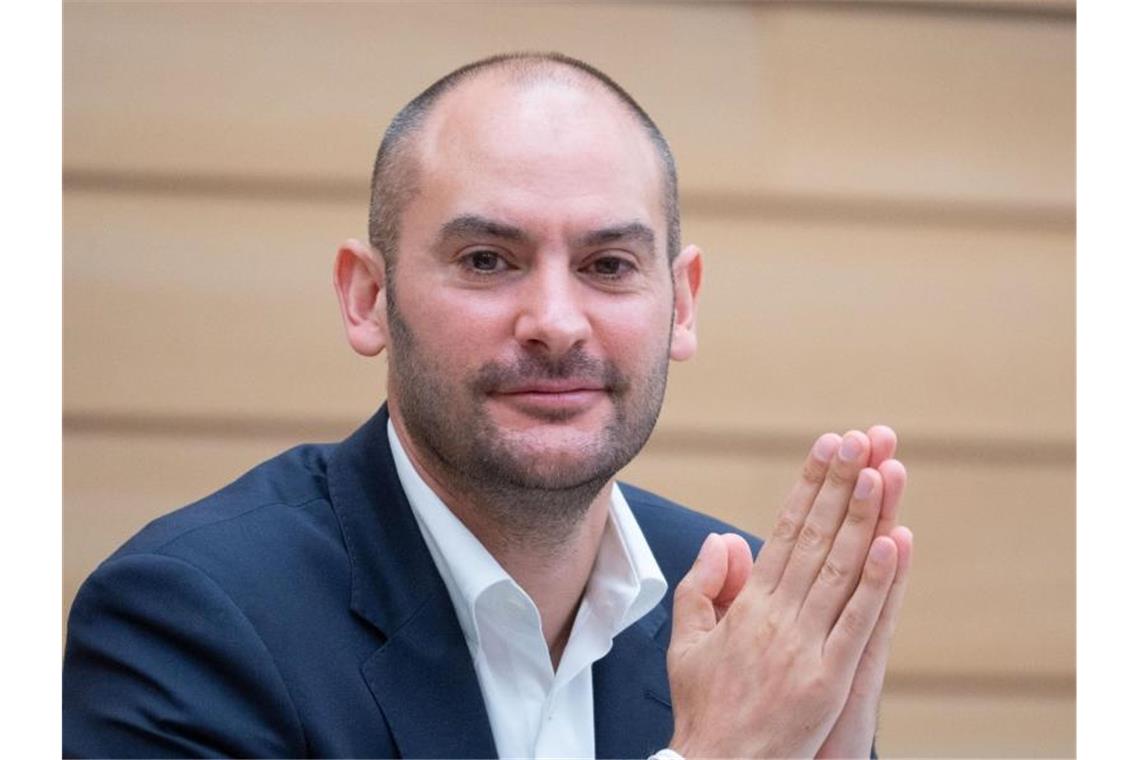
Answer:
(358, 276)
(686, 285)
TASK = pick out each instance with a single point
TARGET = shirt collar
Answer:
(625, 584)
(625, 570)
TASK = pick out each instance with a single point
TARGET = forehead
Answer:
(551, 149)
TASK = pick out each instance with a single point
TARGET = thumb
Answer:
(694, 613)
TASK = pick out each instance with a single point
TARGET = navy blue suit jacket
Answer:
(297, 612)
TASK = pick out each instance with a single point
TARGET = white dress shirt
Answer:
(535, 711)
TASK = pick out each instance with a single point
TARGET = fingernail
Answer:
(824, 448)
(851, 447)
(705, 546)
(880, 550)
(864, 485)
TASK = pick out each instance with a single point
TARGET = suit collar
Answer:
(380, 534)
(422, 677)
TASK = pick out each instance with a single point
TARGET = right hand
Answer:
(762, 659)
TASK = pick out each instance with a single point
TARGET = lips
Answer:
(553, 399)
(552, 387)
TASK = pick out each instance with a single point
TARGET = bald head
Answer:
(427, 118)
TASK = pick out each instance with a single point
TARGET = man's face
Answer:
(531, 304)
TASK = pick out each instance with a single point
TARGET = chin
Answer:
(563, 475)
(558, 459)
(558, 441)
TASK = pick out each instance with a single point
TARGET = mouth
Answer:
(558, 398)
(569, 385)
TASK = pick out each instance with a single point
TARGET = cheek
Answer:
(459, 333)
(636, 334)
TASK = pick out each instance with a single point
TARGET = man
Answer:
(462, 576)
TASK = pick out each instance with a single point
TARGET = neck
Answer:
(553, 573)
(546, 541)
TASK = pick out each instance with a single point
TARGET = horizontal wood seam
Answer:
(976, 684)
(815, 208)
(1043, 10)
(974, 450)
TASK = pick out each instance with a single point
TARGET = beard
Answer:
(532, 490)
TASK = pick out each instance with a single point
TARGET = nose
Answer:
(552, 316)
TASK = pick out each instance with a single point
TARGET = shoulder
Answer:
(288, 482)
(267, 543)
(216, 605)
(186, 613)
(674, 532)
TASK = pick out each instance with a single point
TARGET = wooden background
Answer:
(885, 195)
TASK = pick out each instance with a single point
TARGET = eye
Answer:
(610, 267)
(484, 261)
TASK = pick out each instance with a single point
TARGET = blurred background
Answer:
(884, 192)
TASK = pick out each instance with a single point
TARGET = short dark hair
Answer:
(394, 172)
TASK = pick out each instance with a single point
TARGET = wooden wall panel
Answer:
(839, 100)
(976, 725)
(945, 107)
(222, 306)
(940, 330)
(208, 307)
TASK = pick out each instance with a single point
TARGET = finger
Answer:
(739, 568)
(776, 550)
(693, 612)
(845, 644)
(873, 664)
(884, 443)
(888, 620)
(821, 525)
(844, 565)
(853, 732)
(894, 483)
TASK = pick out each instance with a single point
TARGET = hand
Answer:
(764, 656)
(854, 731)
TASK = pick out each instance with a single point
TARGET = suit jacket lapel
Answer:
(426, 687)
(422, 677)
(633, 715)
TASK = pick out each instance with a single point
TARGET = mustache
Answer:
(576, 364)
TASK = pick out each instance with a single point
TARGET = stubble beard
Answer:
(531, 502)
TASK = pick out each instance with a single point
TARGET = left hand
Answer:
(854, 731)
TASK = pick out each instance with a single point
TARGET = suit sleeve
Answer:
(160, 662)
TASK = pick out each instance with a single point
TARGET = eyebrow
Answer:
(633, 232)
(473, 225)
